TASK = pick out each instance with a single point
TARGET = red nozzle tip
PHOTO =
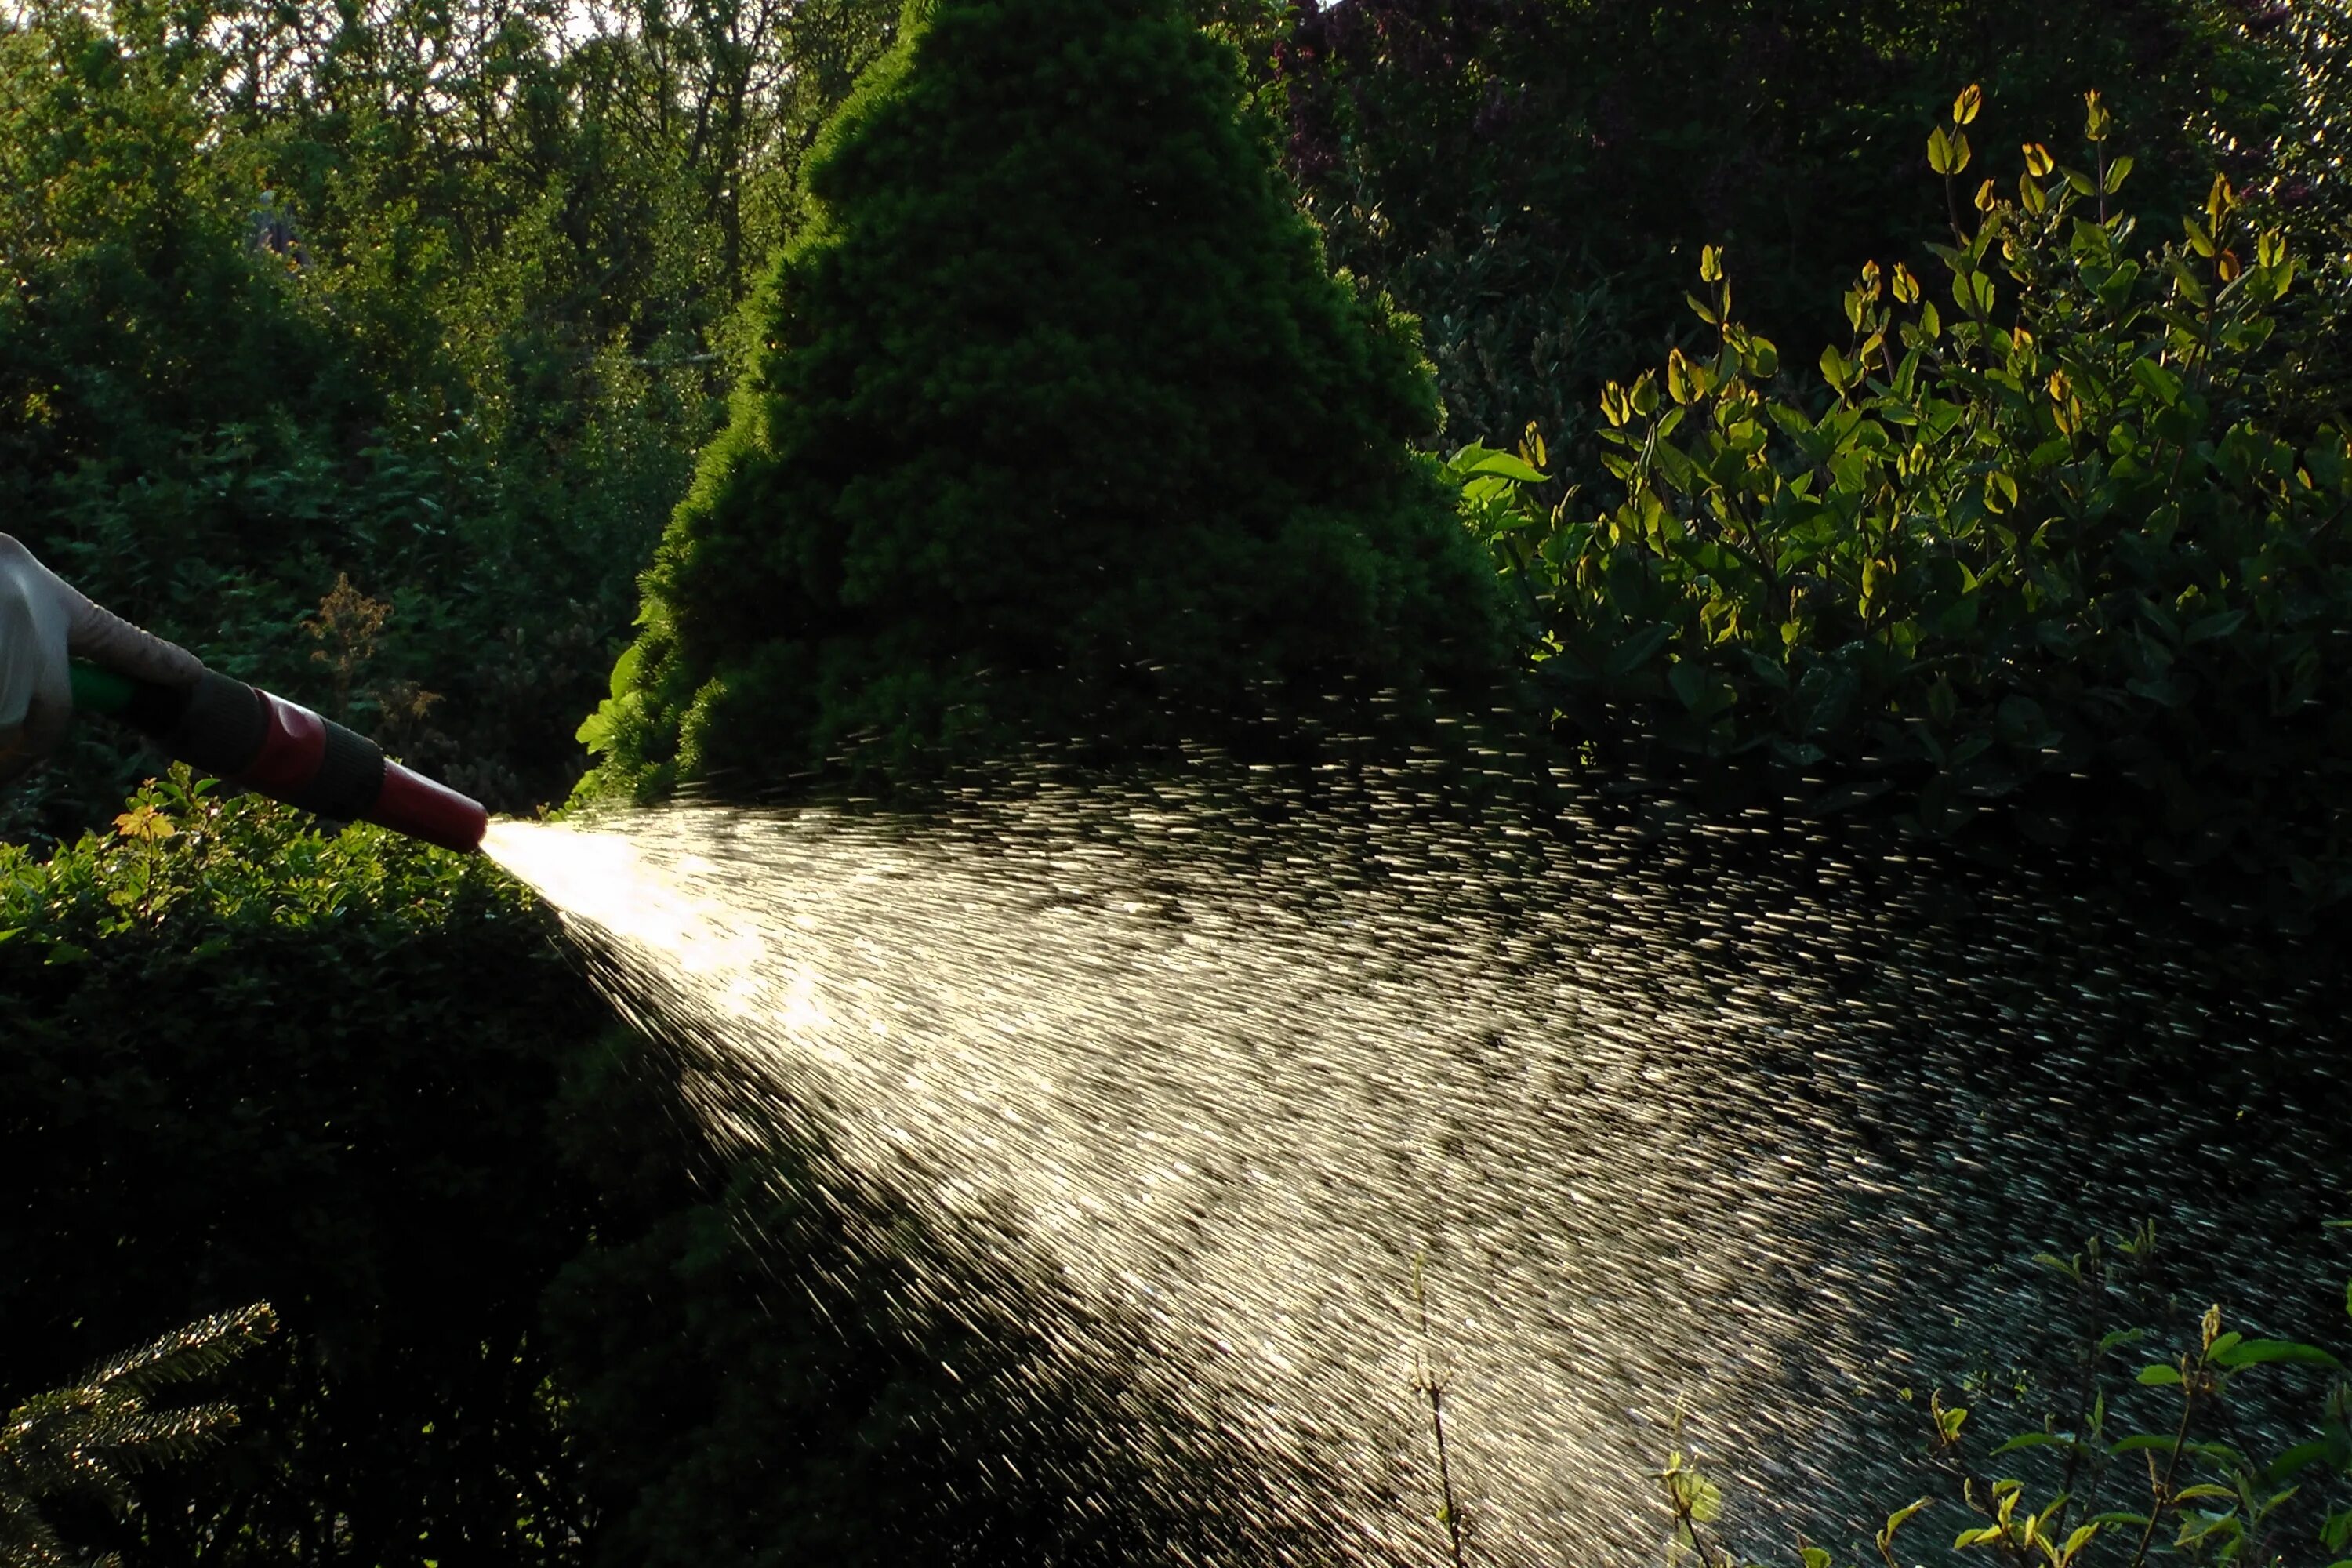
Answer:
(415, 804)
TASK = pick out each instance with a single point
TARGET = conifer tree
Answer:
(81, 1443)
(1061, 428)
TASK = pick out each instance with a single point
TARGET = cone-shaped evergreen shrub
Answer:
(1061, 428)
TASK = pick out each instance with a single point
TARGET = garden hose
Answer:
(260, 742)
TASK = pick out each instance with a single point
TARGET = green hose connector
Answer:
(97, 691)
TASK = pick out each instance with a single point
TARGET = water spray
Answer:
(260, 742)
(1327, 1181)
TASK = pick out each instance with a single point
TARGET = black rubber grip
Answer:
(155, 709)
(221, 727)
(348, 780)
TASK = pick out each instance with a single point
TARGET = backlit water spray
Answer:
(1285, 1138)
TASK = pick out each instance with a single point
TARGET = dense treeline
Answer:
(370, 350)
(433, 304)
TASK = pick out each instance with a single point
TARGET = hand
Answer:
(43, 625)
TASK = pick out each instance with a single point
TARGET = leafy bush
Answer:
(2039, 530)
(745, 1382)
(247, 1062)
(1060, 429)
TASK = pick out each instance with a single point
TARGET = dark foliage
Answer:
(1535, 178)
(247, 1062)
(74, 1449)
(750, 1381)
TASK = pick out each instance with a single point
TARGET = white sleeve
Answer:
(35, 694)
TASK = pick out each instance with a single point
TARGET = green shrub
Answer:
(2039, 529)
(1060, 429)
(745, 1383)
(244, 1062)
(531, 1316)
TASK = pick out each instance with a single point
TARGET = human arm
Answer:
(46, 623)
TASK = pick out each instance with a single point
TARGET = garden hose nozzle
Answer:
(261, 741)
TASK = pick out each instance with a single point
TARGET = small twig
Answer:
(1427, 1381)
(2172, 1467)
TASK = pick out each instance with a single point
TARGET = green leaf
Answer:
(2117, 286)
(1703, 693)
(625, 670)
(2335, 1529)
(1943, 153)
(1636, 650)
(1898, 1519)
(2159, 1375)
(2208, 627)
(595, 731)
(2300, 1458)
(1973, 292)
(2258, 1352)
(2028, 1440)
(2160, 383)
(1498, 464)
